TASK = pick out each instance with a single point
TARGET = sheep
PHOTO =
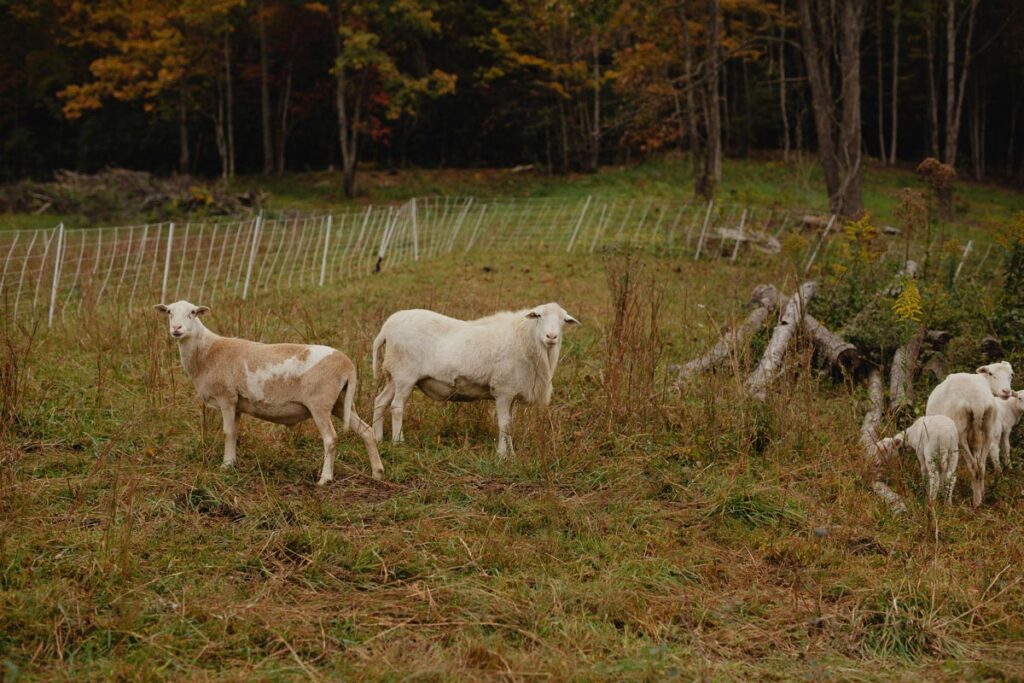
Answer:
(505, 357)
(935, 440)
(1010, 411)
(281, 383)
(968, 400)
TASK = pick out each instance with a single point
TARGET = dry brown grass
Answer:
(638, 534)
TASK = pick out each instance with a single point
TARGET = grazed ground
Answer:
(638, 533)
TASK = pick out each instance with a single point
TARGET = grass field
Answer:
(637, 534)
(765, 182)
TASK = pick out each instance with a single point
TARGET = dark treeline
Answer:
(215, 87)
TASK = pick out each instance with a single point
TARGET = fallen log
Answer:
(764, 303)
(991, 347)
(891, 498)
(870, 435)
(771, 361)
(901, 374)
(869, 428)
(839, 352)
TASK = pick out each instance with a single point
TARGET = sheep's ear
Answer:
(533, 314)
(200, 310)
(983, 370)
(162, 309)
(898, 440)
(569, 320)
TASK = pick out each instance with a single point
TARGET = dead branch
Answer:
(901, 374)
(771, 361)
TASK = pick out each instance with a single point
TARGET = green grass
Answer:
(638, 533)
(754, 182)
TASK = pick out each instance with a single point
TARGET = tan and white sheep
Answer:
(281, 383)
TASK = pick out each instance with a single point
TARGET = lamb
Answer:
(1010, 411)
(935, 440)
(968, 400)
(505, 357)
(281, 383)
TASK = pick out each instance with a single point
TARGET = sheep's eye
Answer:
(533, 314)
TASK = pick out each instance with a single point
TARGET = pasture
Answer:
(638, 533)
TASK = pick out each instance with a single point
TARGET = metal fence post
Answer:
(327, 244)
(415, 230)
(167, 262)
(579, 222)
(252, 253)
(704, 230)
(57, 260)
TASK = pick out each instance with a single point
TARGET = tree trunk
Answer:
(782, 84)
(714, 122)
(816, 58)
(1011, 140)
(955, 92)
(219, 127)
(229, 97)
(692, 107)
(851, 24)
(880, 80)
(765, 299)
(933, 90)
(840, 353)
(183, 154)
(771, 361)
(894, 115)
(282, 130)
(870, 433)
(976, 132)
(901, 374)
(595, 149)
(268, 147)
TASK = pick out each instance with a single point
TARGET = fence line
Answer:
(245, 258)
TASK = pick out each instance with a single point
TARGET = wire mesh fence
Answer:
(56, 272)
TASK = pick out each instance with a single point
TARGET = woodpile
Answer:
(919, 353)
(117, 192)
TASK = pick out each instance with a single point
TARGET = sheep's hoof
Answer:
(227, 465)
(323, 481)
(378, 474)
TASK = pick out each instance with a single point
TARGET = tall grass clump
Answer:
(632, 344)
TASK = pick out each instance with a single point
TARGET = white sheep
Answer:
(505, 357)
(281, 383)
(934, 439)
(969, 400)
(1010, 411)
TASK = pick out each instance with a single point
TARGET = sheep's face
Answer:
(891, 445)
(1016, 401)
(548, 322)
(999, 376)
(182, 318)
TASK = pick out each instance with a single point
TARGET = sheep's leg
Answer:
(993, 456)
(933, 476)
(229, 412)
(366, 434)
(1005, 444)
(923, 460)
(322, 418)
(380, 404)
(952, 460)
(402, 394)
(976, 466)
(503, 407)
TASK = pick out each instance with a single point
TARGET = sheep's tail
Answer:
(351, 384)
(377, 343)
(980, 428)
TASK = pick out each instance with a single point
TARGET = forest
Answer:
(224, 87)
